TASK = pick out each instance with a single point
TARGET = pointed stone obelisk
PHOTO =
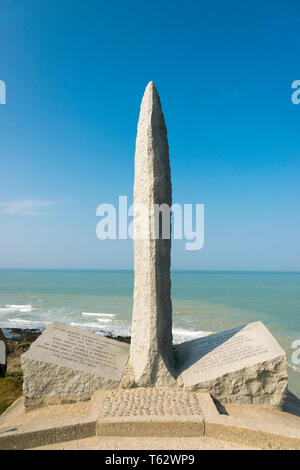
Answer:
(151, 353)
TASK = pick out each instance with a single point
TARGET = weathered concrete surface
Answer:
(243, 425)
(244, 365)
(265, 427)
(66, 364)
(151, 353)
(147, 443)
(50, 424)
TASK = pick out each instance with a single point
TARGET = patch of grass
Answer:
(10, 389)
(16, 374)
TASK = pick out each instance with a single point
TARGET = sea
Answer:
(203, 303)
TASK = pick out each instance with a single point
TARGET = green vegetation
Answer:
(10, 389)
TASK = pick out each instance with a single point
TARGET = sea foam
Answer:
(17, 308)
(181, 334)
(23, 324)
(88, 314)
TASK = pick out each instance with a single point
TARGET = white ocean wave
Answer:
(89, 325)
(115, 330)
(181, 334)
(20, 320)
(118, 330)
(99, 322)
(23, 324)
(88, 314)
(17, 308)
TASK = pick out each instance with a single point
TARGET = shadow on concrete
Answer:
(291, 404)
(221, 408)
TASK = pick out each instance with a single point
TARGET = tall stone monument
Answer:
(151, 353)
(244, 365)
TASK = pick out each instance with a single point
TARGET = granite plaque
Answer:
(205, 359)
(78, 349)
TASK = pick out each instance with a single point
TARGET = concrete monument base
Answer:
(247, 425)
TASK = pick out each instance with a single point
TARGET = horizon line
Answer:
(172, 270)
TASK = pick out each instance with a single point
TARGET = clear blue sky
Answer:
(75, 73)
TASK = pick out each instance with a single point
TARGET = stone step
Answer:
(149, 412)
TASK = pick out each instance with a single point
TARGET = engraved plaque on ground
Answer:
(2, 353)
(78, 349)
(213, 356)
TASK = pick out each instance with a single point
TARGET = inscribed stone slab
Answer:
(78, 349)
(245, 364)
